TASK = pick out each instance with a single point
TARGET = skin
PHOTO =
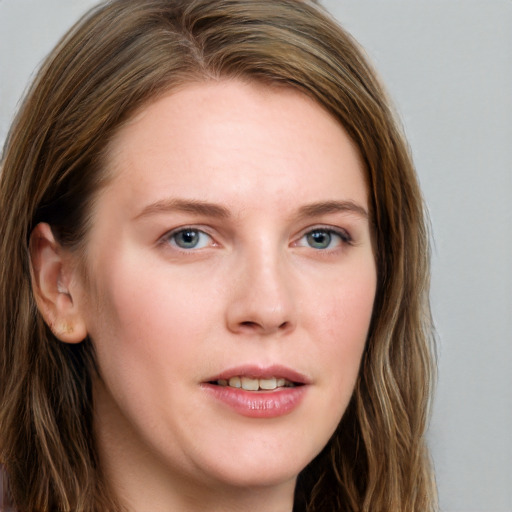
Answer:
(255, 290)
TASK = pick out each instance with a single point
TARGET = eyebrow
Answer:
(207, 209)
(186, 206)
(328, 207)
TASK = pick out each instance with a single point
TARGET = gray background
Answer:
(448, 65)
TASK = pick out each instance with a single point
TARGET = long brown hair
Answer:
(119, 56)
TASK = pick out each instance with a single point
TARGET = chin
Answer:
(261, 470)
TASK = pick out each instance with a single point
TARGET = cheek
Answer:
(343, 330)
(342, 303)
(149, 320)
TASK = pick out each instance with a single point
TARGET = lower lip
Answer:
(258, 404)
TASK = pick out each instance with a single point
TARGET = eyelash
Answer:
(343, 236)
(171, 240)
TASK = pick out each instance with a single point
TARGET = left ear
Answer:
(52, 273)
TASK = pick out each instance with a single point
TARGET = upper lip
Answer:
(262, 372)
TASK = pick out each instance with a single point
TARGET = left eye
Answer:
(323, 238)
(189, 238)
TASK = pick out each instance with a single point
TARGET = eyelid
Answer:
(166, 239)
(341, 232)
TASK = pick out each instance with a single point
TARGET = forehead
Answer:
(230, 135)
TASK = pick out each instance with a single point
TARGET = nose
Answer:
(262, 301)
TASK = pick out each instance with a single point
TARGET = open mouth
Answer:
(259, 391)
(256, 384)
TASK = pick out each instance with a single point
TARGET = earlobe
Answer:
(52, 278)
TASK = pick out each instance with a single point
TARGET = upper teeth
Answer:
(251, 384)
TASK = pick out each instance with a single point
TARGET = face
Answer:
(231, 284)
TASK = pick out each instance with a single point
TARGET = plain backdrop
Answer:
(448, 66)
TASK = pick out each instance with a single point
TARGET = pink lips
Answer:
(262, 403)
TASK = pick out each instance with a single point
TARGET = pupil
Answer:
(188, 238)
(319, 239)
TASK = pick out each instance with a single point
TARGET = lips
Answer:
(258, 392)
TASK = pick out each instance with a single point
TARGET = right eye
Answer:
(189, 238)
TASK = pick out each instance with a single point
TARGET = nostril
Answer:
(249, 324)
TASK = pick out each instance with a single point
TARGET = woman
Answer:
(215, 279)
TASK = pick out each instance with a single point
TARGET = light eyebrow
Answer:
(192, 206)
(326, 207)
